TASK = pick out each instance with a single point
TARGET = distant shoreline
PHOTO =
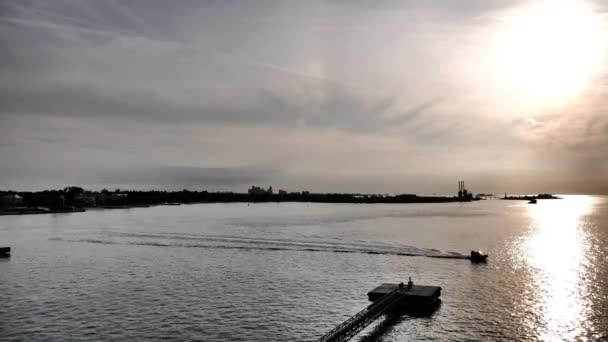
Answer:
(75, 199)
(530, 197)
(78, 200)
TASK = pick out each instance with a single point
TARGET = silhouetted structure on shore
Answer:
(463, 194)
(73, 198)
(530, 197)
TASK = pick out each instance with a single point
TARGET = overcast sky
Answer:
(350, 96)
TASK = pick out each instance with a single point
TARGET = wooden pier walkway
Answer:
(362, 319)
(386, 297)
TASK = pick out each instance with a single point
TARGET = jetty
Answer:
(5, 251)
(530, 197)
(386, 298)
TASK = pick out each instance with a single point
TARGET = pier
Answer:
(385, 298)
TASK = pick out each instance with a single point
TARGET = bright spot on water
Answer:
(556, 251)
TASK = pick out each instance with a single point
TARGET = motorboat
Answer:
(478, 256)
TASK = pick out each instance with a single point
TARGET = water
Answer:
(291, 271)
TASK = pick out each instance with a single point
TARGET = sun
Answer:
(549, 51)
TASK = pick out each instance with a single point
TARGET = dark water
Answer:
(291, 271)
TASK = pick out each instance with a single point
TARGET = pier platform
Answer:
(417, 291)
(418, 297)
(386, 298)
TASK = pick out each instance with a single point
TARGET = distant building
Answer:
(11, 200)
(259, 191)
(61, 202)
(109, 198)
(463, 193)
(282, 192)
(85, 199)
(256, 191)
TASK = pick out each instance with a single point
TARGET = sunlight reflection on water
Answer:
(556, 250)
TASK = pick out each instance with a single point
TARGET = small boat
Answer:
(532, 201)
(478, 256)
(5, 252)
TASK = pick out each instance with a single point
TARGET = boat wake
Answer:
(265, 244)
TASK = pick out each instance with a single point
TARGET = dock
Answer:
(5, 251)
(418, 297)
(386, 298)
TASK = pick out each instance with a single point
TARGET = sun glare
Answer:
(556, 250)
(549, 51)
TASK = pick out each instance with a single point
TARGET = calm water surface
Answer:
(291, 271)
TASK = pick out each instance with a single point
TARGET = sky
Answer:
(328, 96)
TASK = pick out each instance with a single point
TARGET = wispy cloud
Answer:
(306, 90)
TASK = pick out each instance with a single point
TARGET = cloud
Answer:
(358, 94)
